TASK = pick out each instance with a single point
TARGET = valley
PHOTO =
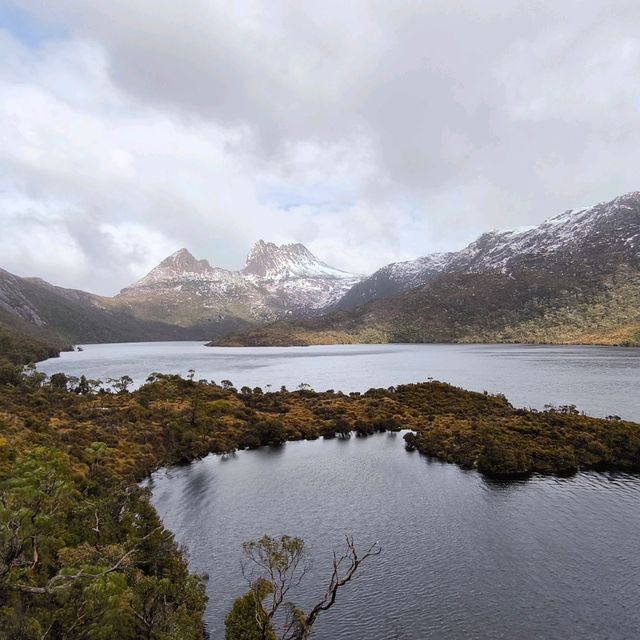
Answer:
(574, 279)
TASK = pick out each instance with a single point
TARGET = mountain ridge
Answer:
(496, 249)
(276, 281)
(573, 278)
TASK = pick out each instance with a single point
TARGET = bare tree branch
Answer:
(337, 580)
(279, 565)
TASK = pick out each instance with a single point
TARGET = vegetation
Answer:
(546, 306)
(84, 555)
(273, 567)
(18, 348)
(22, 342)
(72, 316)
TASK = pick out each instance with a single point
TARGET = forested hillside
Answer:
(22, 343)
(573, 279)
(36, 308)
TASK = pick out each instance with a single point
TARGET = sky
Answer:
(371, 131)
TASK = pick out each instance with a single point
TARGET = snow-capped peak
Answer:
(277, 281)
(606, 231)
(270, 261)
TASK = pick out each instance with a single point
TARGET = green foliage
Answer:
(85, 556)
(248, 618)
(83, 551)
(22, 343)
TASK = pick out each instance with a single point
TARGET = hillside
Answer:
(35, 308)
(597, 238)
(573, 279)
(22, 342)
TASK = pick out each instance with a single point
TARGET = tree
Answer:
(58, 381)
(10, 373)
(273, 567)
(121, 385)
(248, 617)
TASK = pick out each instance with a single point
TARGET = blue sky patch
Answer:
(26, 28)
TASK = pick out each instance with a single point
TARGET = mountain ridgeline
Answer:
(575, 278)
(180, 299)
(276, 282)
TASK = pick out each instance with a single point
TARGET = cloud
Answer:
(371, 131)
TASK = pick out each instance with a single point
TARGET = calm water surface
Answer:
(463, 557)
(599, 380)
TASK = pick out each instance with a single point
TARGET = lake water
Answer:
(463, 557)
(599, 380)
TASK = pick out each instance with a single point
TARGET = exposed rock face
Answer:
(276, 282)
(268, 261)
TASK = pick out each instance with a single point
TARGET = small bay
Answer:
(463, 556)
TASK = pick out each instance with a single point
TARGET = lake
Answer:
(463, 557)
(599, 380)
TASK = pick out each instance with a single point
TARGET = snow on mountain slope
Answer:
(594, 233)
(276, 281)
(268, 261)
(589, 238)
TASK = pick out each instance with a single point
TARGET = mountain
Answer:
(604, 232)
(276, 282)
(574, 278)
(180, 299)
(31, 306)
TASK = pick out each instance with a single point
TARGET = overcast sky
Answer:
(372, 131)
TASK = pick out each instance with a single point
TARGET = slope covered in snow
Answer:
(586, 238)
(276, 281)
(575, 278)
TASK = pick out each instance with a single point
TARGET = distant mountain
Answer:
(599, 236)
(180, 299)
(33, 306)
(276, 282)
(574, 278)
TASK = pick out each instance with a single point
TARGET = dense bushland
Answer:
(83, 553)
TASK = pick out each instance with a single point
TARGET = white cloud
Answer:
(371, 131)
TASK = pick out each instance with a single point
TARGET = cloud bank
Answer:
(370, 131)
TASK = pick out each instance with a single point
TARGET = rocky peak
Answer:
(182, 261)
(270, 261)
(179, 267)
